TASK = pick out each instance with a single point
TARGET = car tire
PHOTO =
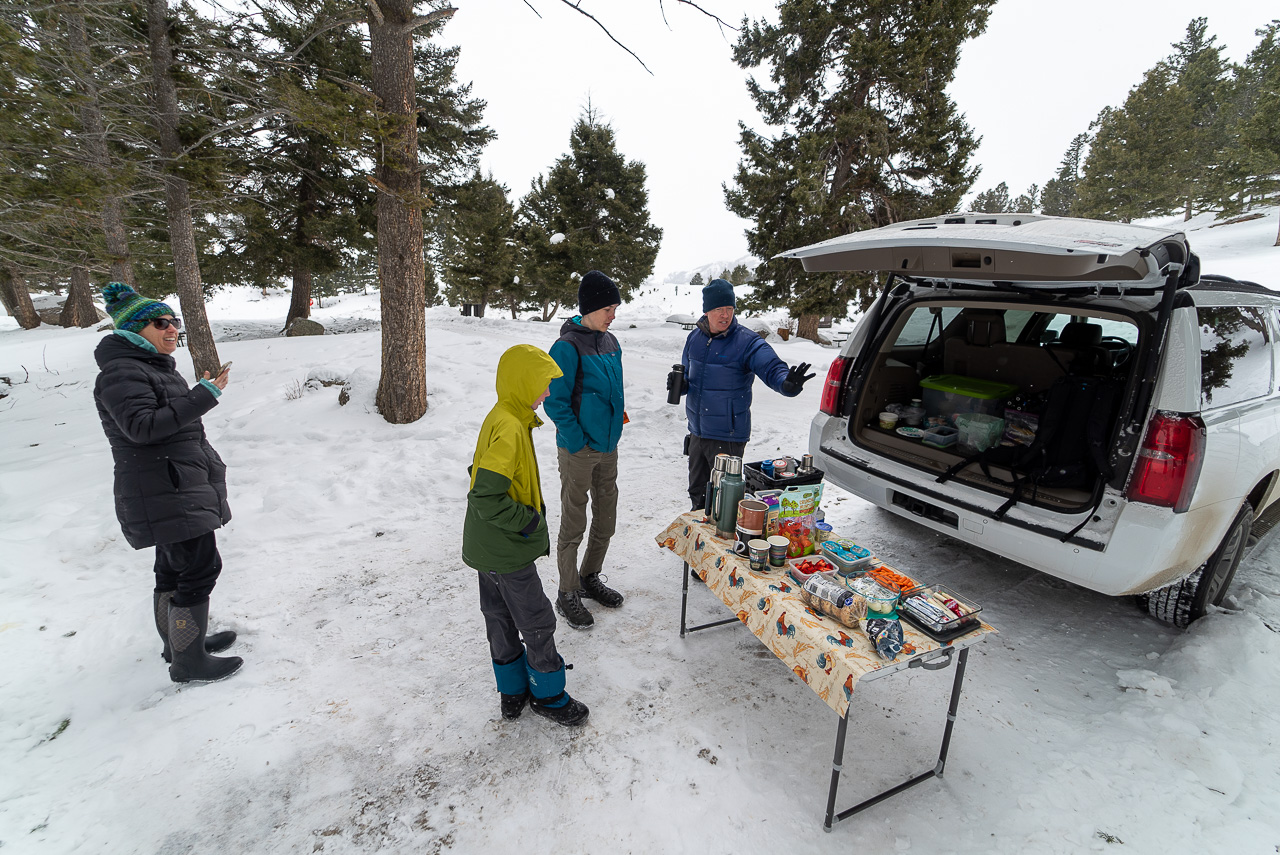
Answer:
(1185, 601)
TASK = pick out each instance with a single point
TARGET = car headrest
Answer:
(1080, 335)
(983, 329)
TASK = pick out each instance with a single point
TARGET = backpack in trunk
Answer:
(1070, 446)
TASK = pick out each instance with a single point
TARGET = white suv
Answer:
(1120, 410)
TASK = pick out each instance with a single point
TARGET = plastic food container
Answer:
(978, 431)
(881, 601)
(806, 565)
(949, 395)
(938, 609)
(848, 556)
(940, 437)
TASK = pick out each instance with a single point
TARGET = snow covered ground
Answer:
(365, 717)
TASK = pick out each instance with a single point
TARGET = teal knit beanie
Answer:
(129, 310)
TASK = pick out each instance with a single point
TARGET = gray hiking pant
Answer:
(585, 474)
(514, 605)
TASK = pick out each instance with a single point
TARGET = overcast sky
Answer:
(1037, 77)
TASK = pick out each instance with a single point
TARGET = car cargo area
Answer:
(1016, 399)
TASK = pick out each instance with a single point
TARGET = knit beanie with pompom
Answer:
(129, 310)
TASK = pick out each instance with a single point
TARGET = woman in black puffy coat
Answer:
(170, 485)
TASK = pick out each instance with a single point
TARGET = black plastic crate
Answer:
(757, 480)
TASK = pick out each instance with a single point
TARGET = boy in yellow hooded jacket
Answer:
(505, 532)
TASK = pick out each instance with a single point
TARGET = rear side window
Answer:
(1235, 356)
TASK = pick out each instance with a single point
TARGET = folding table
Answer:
(830, 658)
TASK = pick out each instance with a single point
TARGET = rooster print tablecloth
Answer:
(829, 657)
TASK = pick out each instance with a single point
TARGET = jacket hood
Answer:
(114, 346)
(524, 373)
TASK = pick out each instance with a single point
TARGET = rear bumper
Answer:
(1145, 548)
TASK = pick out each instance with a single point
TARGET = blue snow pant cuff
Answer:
(512, 677)
(548, 688)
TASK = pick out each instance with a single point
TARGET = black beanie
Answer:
(595, 292)
(717, 294)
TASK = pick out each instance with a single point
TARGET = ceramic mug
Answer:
(752, 514)
(743, 537)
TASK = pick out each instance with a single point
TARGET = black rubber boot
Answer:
(191, 663)
(215, 643)
(571, 713)
(513, 705)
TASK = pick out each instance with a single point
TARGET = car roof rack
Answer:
(1218, 282)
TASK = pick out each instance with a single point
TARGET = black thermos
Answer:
(675, 384)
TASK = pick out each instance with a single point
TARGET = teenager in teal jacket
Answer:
(586, 404)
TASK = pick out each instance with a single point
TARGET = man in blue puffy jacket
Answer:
(587, 406)
(721, 360)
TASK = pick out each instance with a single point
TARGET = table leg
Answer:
(684, 603)
(935, 772)
(836, 764)
(684, 595)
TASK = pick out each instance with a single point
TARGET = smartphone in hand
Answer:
(223, 369)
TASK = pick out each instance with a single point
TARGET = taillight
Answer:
(1169, 461)
(831, 387)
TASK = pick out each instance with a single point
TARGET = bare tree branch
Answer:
(376, 10)
(577, 7)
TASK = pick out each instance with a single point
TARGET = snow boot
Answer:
(550, 700)
(569, 605)
(215, 643)
(191, 662)
(513, 684)
(593, 586)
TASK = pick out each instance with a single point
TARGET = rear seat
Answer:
(981, 351)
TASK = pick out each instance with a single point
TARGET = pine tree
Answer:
(1200, 75)
(1028, 202)
(479, 263)
(993, 201)
(597, 203)
(866, 134)
(1127, 172)
(1059, 194)
(1253, 156)
(696, 281)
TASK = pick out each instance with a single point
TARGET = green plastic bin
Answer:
(946, 396)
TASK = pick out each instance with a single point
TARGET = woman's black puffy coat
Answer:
(170, 485)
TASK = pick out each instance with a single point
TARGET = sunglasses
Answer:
(165, 323)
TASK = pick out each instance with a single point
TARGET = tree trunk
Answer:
(16, 297)
(807, 327)
(1277, 243)
(300, 301)
(402, 387)
(1186, 214)
(95, 136)
(78, 310)
(177, 195)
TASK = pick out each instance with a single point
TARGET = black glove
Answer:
(533, 524)
(795, 379)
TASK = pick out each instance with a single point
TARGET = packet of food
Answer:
(885, 635)
(797, 513)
